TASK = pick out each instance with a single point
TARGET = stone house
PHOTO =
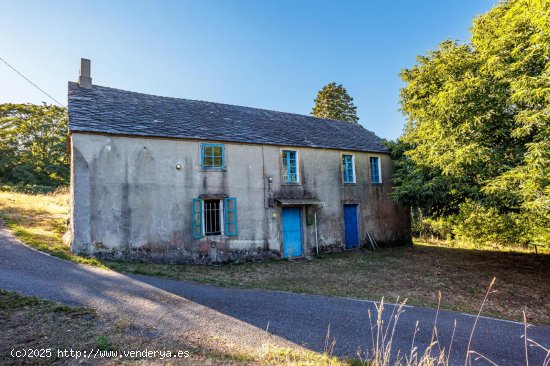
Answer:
(176, 180)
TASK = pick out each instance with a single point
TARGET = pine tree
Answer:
(334, 102)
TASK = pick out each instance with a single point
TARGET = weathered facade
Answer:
(172, 180)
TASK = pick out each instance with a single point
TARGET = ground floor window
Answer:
(214, 217)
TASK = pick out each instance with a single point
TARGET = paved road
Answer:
(304, 319)
(240, 317)
(119, 297)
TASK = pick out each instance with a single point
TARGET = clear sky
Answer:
(267, 54)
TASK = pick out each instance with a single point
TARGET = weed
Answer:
(103, 343)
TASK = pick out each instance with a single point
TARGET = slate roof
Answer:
(119, 112)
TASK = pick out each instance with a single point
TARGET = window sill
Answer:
(349, 184)
(216, 236)
(213, 169)
(291, 184)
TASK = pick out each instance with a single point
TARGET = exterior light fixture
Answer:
(178, 166)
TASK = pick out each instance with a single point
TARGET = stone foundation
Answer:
(213, 256)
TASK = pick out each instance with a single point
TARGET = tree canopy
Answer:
(334, 102)
(33, 144)
(476, 145)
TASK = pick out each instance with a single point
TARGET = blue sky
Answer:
(267, 54)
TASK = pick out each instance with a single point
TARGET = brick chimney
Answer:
(85, 78)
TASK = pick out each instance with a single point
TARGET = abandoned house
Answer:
(185, 181)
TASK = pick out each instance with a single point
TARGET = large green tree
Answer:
(476, 146)
(334, 102)
(33, 144)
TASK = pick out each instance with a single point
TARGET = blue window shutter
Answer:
(223, 156)
(345, 166)
(197, 218)
(289, 166)
(351, 169)
(374, 169)
(202, 155)
(230, 216)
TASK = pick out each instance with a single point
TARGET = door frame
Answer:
(358, 214)
(302, 231)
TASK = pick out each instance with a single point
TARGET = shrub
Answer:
(485, 225)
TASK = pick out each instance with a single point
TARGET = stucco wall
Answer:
(129, 200)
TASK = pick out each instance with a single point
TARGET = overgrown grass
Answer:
(12, 300)
(32, 188)
(457, 244)
(40, 221)
(422, 270)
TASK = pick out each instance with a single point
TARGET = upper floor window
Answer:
(212, 156)
(290, 166)
(375, 170)
(348, 168)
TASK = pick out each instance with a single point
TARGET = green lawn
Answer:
(417, 273)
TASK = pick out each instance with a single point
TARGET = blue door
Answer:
(292, 232)
(351, 227)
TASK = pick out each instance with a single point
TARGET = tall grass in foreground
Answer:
(383, 352)
(382, 337)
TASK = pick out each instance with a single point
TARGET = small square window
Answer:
(213, 156)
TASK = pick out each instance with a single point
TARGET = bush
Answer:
(485, 225)
(34, 189)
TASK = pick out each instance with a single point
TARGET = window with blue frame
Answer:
(290, 166)
(348, 168)
(375, 170)
(213, 156)
(215, 217)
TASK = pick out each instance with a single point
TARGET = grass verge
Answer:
(40, 221)
(416, 273)
(29, 323)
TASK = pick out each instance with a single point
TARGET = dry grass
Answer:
(523, 279)
(40, 220)
(532, 249)
(31, 323)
